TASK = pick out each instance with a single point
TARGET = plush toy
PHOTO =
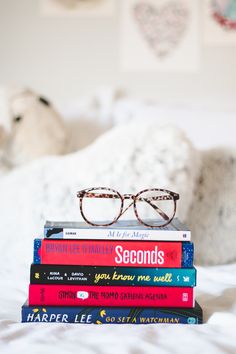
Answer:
(30, 128)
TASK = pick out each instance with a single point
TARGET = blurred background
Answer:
(74, 69)
(179, 55)
(71, 70)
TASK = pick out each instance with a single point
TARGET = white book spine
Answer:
(122, 234)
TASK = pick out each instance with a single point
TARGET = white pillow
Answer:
(128, 158)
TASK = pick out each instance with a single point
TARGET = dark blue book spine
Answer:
(109, 315)
(187, 255)
(36, 255)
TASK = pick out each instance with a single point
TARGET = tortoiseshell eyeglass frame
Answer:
(89, 193)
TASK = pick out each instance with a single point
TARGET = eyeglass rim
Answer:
(173, 194)
(100, 188)
(81, 194)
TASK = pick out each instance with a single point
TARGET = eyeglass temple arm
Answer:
(160, 212)
(127, 208)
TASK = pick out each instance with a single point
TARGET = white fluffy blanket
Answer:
(128, 158)
(212, 216)
(216, 292)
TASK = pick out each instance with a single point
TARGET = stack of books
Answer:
(123, 273)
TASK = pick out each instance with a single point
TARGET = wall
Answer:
(67, 58)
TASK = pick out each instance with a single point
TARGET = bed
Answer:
(216, 292)
(45, 189)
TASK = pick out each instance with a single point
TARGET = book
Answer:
(122, 276)
(121, 230)
(114, 253)
(109, 315)
(95, 295)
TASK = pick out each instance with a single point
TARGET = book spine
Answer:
(121, 276)
(109, 315)
(114, 253)
(116, 234)
(77, 295)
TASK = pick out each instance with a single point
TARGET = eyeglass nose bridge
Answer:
(128, 196)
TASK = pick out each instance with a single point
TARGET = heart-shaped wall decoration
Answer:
(163, 27)
(224, 13)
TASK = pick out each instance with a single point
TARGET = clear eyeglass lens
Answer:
(155, 208)
(100, 206)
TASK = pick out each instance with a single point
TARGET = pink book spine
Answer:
(76, 295)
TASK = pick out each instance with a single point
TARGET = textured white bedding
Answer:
(216, 292)
(46, 190)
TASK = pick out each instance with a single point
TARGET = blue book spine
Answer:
(110, 315)
(187, 254)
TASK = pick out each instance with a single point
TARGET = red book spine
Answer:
(76, 295)
(108, 253)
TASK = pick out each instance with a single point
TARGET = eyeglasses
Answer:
(153, 207)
